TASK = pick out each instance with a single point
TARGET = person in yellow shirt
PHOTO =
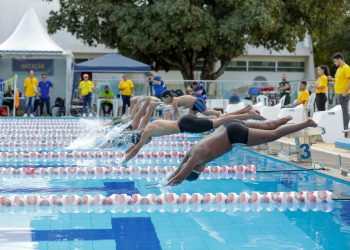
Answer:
(126, 88)
(85, 89)
(321, 87)
(342, 86)
(30, 89)
(303, 96)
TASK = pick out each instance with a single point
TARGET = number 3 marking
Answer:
(306, 151)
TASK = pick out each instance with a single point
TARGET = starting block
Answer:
(303, 140)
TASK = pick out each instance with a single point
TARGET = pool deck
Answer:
(326, 155)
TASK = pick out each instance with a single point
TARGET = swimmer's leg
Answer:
(269, 125)
(137, 119)
(244, 110)
(259, 136)
(209, 112)
(149, 113)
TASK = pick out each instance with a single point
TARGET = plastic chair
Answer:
(263, 99)
(271, 112)
(216, 103)
(331, 124)
(310, 107)
(298, 113)
(7, 110)
(234, 107)
(258, 106)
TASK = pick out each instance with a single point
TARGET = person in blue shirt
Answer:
(234, 98)
(199, 91)
(45, 91)
(158, 85)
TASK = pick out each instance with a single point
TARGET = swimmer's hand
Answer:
(177, 180)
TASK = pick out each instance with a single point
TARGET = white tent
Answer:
(31, 40)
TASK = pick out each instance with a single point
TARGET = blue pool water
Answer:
(110, 228)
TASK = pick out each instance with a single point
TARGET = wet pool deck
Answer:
(326, 155)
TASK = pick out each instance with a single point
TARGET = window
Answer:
(261, 66)
(290, 66)
(237, 66)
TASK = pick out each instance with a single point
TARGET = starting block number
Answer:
(305, 152)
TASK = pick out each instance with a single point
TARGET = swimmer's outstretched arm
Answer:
(133, 150)
(183, 171)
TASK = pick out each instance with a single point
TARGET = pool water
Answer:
(198, 227)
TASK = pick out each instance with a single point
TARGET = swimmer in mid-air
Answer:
(232, 133)
(187, 101)
(192, 124)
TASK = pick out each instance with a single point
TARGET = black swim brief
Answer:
(192, 124)
(237, 132)
(199, 105)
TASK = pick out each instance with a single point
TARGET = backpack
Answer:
(3, 111)
(59, 102)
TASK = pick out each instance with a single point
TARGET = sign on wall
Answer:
(38, 65)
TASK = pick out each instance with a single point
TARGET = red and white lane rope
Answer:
(210, 172)
(166, 199)
(176, 208)
(89, 154)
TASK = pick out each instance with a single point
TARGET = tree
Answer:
(337, 40)
(182, 33)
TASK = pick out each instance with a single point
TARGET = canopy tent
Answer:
(112, 63)
(30, 40)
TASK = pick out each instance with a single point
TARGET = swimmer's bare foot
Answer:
(311, 123)
(218, 114)
(154, 104)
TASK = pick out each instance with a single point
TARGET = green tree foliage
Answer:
(181, 32)
(336, 40)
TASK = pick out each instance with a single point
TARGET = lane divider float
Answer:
(166, 199)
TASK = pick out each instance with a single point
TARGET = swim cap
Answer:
(192, 176)
(135, 137)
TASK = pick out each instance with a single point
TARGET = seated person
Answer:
(232, 133)
(190, 124)
(198, 91)
(107, 105)
(187, 101)
(303, 96)
(234, 98)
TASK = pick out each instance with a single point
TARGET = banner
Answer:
(38, 65)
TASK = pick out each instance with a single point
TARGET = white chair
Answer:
(298, 113)
(271, 113)
(263, 99)
(331, 124)
(258, 106)
(217, 103)
(234, 107)
(310, 107)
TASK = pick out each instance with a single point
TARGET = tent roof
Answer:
(112, 62)
(30, 37)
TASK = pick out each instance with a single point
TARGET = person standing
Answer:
(86, 87)
(45, 91)
(342, 86)
(234, 98)
(158, 85)
(30, 90)
(321, 87)
(198, 90)
(126, 88)
(107, 105)
(284, 89)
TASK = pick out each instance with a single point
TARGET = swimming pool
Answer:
(196, 227)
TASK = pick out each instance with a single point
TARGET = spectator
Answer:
(303, 96)
(158, 85)
(284, 89)
(234, 98)
(321, 87)
(342, 86)
(107, 105)
(198, 90)
(86, 87)
(45, 91)
(30, 90)
(126, 87)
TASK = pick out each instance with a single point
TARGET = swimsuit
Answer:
(192, 124)
(237, 132)
(199, 105)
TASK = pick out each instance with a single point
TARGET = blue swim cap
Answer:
(192, 176)
(135, 137)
